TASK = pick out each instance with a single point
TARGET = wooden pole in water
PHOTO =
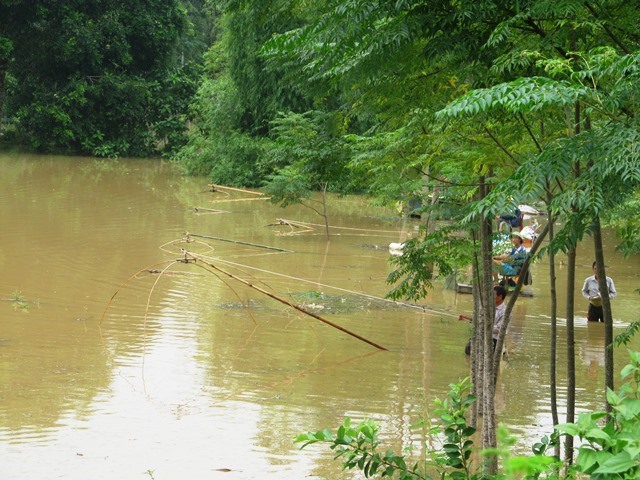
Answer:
(253, 192)
(281, 300)
(277, 249)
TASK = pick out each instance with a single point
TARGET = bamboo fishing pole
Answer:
(253, 192)
(282, 300)
(239, 242)
(226, 200)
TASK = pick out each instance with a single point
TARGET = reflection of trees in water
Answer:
(78, 231)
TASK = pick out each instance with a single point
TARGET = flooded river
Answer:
(119, 361)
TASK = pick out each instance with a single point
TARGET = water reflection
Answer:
(186, 367)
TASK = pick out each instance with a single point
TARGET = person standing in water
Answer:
(591, 291)
(499, 294)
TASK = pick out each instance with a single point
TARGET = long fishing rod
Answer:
(281, 300)
(295, 222)
(333, 287)
(239, 242)
(339, 289)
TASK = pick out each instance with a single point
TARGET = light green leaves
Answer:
(521, 95)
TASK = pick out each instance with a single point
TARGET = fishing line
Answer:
(298, 279)
(189, 257)
(366, 295)
(294, 222)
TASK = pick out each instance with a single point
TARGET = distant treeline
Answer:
(101, 78)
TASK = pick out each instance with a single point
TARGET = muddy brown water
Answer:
(118, 361)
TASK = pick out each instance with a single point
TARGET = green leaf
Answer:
(447, 418)
(305, 439)
(617, 464)
(587, 459)
(597, 434)
(629, 408)
(612, 397)
(451, 448)
(568, 428)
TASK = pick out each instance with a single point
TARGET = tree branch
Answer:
(448, 183)
(311, 208)
(613, 36)
(502, 147)
(533, 137)
(539, 31)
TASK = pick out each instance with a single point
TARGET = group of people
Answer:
(509, 266)
(590, 291)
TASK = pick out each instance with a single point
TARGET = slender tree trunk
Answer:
(571, 359)
(477, 345)
(571, 285)
(324, 209)
(606, 301)
(553, 355)
(3, 76)
(429, 226)
(477, 332)
(606, 309)
(488, 313)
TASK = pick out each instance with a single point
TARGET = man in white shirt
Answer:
(591, 291)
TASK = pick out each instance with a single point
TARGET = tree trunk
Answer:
(324, 209)
(488, 313)
(3, 76)
(553, 355)
(606, 309)
(571, 359)
(477, 346)
(571, 285)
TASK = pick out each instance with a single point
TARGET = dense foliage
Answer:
(239, 98)
(101, 78)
